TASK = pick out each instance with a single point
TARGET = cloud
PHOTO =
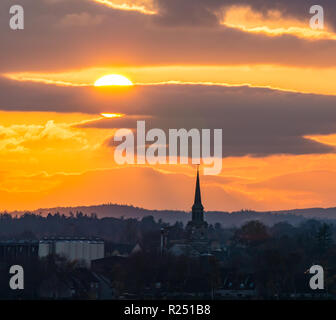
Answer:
(274, 23)
(297, 190)
(143, 6)
(80, 19)
(98, 186)
(204, 12)
(22, 138)
(255, 121)
(307, 188)
(96, 35)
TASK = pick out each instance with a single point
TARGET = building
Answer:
(122, 249)
(197, 227)
(18, 249)
(197, 242)
(80, 283)
(73, 249)
(235, 284)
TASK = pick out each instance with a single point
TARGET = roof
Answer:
(18, 242)
(53, 239)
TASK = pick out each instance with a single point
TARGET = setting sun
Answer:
(113, 80)
(111, 115)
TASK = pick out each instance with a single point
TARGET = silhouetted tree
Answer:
(252, 233)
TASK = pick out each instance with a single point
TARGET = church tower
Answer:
(197, 208)
(197, 227)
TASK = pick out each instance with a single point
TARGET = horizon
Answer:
(34, 211)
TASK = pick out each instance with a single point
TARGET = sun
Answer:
(111, 115)
(113, 80)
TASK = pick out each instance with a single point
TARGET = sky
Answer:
(253, 68)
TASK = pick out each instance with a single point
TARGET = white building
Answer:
(81, 249)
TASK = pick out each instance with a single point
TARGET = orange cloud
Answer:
(61, 166)
(272, 24)
(261, 184)
(143, 6)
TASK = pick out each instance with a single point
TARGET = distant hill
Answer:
(227, 219)
(313, 213)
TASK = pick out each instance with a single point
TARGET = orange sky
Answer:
(265, 76)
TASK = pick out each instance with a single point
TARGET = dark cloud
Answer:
(255, 121)
(30, 96)
(200, 12)
(73, 34)
(188, 12)
(294, 8)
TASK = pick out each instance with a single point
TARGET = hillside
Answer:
(294, 216)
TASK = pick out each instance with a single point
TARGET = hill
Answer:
(293, 217)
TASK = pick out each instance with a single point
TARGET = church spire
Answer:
(197, 202)
(197, 226)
